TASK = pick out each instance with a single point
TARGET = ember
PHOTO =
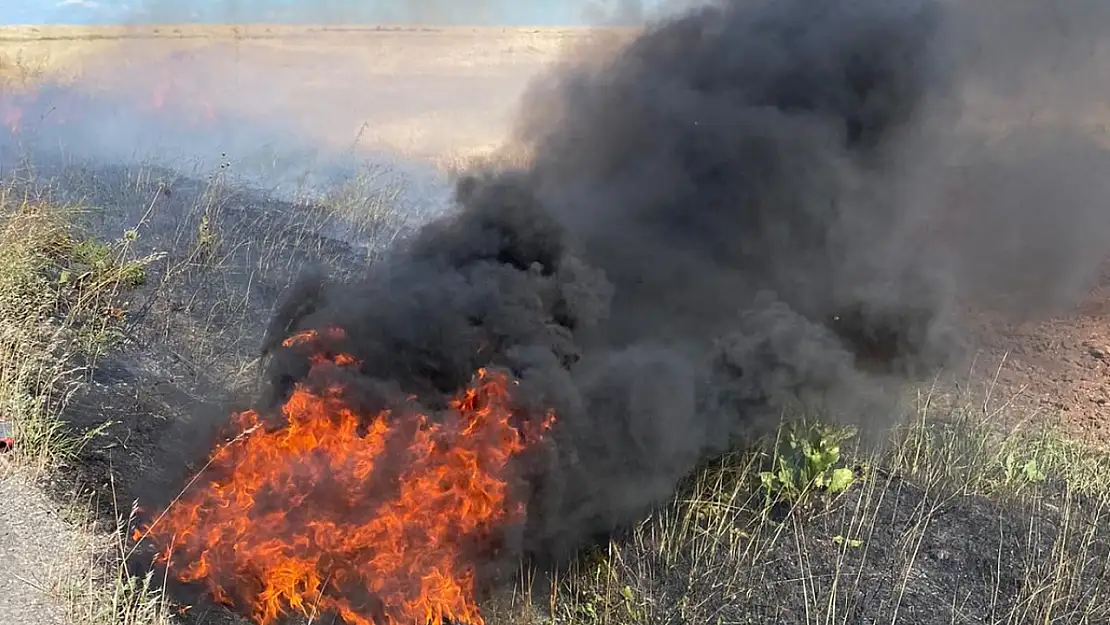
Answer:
(374, 517)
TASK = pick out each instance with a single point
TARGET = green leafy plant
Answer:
(1019, 472)
(806, 459)
(93, 264)
(855, 543)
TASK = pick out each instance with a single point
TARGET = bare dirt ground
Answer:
(41, 550)
(1060, 366)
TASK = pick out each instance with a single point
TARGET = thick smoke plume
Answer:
(750, 208)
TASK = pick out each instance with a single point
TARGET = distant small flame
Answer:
(170, 93)
(11, 117)
(51, 104)
(11, 110)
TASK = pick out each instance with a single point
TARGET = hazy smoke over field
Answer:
(424, 12)
(753, 205)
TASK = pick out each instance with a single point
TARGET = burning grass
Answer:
(74, 304)
(351, 530)
(954, 520)
(112, 343)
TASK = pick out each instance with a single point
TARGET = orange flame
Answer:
(371, 518)
(11, 116)
(167, 98)
(11, 112)
(196, 110)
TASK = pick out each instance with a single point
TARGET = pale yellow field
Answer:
(422, 91)
(430, 92)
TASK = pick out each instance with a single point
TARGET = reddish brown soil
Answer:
(1059, 367)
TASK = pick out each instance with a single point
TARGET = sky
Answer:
(477, 12)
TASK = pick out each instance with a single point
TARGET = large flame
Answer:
(374, 517)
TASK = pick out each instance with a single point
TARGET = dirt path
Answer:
(41, 553)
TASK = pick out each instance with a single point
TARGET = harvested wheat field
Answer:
(772, 312)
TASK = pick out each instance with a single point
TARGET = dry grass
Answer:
(1030, 504)
(100, 589)
(18, 69)
(69, 297)
(422, 92)
(59, 293)
(64, 299)
(387, 50)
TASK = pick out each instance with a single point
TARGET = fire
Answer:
(55, 104)
(374, 517)
(10, 116)
(188, 106)
(50, 105)
(11, 111)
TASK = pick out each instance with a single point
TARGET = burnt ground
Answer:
(197, 318)
(167, 377)
(184, 358)
(919, 555)
(183, 354)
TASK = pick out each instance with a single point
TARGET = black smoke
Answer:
(745, 211)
